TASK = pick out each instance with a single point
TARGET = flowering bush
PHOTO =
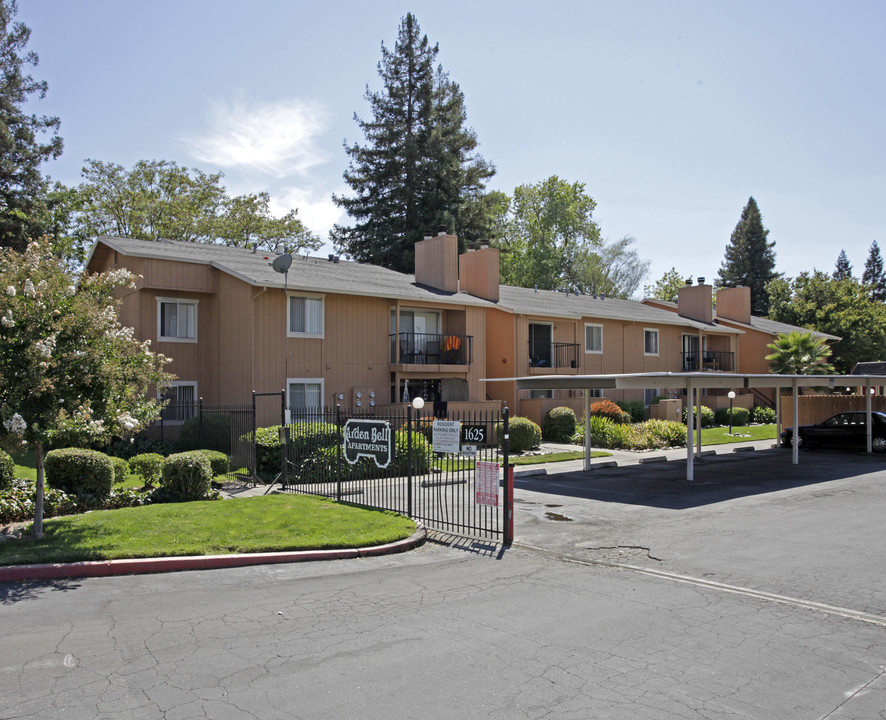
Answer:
(608, 409)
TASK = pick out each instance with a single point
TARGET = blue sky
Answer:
(672, 113)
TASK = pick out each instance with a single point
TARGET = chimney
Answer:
(734, 304)
(479, 272)
(696, 302)
(436, 262)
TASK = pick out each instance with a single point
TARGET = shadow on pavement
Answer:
(717, 478)
(13, 592)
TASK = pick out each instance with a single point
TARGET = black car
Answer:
(848, 429)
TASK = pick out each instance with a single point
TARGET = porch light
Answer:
(418, 403)
(731, 396)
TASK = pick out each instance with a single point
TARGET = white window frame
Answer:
(178, 384)
(591, 351)
(657, 336)
(306, 296)
(304, 381)
(178, 301)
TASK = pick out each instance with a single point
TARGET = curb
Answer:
(142, 566)
(653, 459)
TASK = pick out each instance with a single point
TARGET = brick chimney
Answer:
(734, 304)
(436, 262)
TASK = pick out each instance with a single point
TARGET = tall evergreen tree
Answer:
(419, 167)
(874, 276)
(22, 147)
(750, 259)
(843, 269)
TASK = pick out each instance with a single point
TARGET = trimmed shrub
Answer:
(206, 431)
(80, 472)
(121, 469)
(608, 409)
(149, 467)
(739, 416)
(762, 415)
(130, 447)
(524, 435)
(558, 425)
(304, 440)
(635, 408)
(7, 470)
(707, 416)
(186, 476)
(219, 463)
(655, 434)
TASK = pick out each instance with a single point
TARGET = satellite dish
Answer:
(281, 263)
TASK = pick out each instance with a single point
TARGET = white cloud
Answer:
(316, 211)
(276, 138)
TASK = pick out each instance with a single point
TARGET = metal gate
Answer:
(450, 473)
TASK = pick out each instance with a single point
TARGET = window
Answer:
(593, 338)
(650, 341)
(182, 405)
(305, 316)
(176, 320)
(541, 394)
(649, 394)
(304, 394)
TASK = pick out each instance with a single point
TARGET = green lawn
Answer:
(721, 436)
(259, 524)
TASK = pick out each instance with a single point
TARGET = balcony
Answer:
(553, 355)
(432, 349)
(711, 361)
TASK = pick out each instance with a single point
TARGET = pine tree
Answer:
(874, 275)
(418, 168)
(22, 186)
(750, 259)
(843, 270)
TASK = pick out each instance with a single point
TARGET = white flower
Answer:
(10, 290)
(71, 291)
(41, 286)
(29, 288)
(7, 321)
(127, 422)
(16, 424)
(45, 347)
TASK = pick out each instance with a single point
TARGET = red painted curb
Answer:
(139, 566)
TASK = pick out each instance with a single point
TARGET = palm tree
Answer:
(799, 353)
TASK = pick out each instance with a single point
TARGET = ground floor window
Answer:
(182, 401)
(304, 394)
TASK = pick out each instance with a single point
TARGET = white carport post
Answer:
(795, 451)
(779, 422)
(868, 418)
(587, 428)
(690, 417)
(698, 422)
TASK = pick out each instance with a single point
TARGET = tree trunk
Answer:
(38, 499)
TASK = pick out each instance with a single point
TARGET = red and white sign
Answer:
(486, 483)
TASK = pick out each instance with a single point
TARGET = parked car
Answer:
(848, 429)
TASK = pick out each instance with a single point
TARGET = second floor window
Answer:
(305, 316)
(650, 342)
(177, 319)
(593, 338)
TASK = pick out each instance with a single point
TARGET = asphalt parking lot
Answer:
(757, 592)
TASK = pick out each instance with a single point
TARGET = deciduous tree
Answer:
(26, 140)
(418, 167)
(667, 286)
(67, 366)
(750, 258)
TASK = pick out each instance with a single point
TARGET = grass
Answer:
(259, 524)
(748, 433)
(555, 457)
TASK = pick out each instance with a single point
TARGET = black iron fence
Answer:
(708, 361)
(443, 472)
(553, 354)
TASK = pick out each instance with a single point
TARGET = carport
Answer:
(693, 383)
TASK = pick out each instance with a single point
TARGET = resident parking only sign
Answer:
(486, 483)
(369, 439)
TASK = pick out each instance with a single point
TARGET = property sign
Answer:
(370, 439)
(473, 434)
(445, 436)
(486, 483)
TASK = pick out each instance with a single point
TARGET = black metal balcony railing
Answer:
(432, 349)
(553, 355)
(708, 361)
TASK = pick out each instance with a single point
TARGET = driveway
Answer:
(756, 594)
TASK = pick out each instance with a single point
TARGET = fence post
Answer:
(338, 447)
(508, 495)
(409, 460)
(200, 414)
(283, 406)
(254, 445)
